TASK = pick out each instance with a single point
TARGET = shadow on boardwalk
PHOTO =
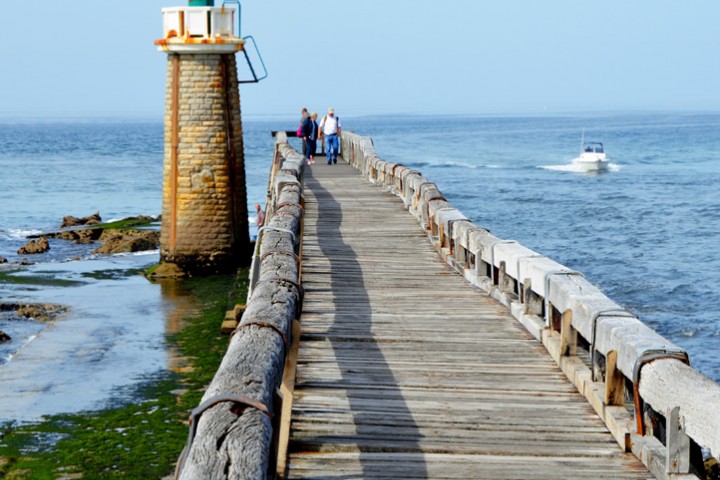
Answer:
(372, 391)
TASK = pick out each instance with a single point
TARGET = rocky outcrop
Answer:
(34, 247)
(4, 337)
(116, 237)
(3, 260)
(167, 270)
(70, 221)
(122, 241)
(81, 236)
(42, 312)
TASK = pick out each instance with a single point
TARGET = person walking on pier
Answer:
(330, 128)
(310, 134)
(303, 117)
(260, 215)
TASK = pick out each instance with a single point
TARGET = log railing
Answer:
(638, 382)
(233, 431)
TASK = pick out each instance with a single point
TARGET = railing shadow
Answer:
(371, 387)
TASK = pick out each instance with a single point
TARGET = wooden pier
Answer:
(390, 337)
(407, 371)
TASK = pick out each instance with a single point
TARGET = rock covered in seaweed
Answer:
(122, 241)
(34, 247)
(70, 221)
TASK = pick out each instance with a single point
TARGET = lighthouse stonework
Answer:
(204, 214)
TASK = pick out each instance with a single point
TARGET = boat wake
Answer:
(569, 167)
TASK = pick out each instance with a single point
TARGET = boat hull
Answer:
(591, 163)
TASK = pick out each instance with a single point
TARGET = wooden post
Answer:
(614, 381)
(568, 335)
(678, 444)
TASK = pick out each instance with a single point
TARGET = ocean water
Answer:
(646, 232)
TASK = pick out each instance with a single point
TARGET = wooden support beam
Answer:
(286, 390)
(678, 444)
(568, 335)
(614, 381)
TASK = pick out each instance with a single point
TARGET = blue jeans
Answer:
(332, 146)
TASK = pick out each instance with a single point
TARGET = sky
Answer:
(88, 58)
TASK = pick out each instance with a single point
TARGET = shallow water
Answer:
(111, 336)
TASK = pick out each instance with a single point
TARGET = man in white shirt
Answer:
(330, 128)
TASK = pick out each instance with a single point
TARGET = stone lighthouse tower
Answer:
(204, 213)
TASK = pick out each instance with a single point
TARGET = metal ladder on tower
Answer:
(248, 38)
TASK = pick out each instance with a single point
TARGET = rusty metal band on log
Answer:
(546, 282)
(649, 356)
(593, 338)
(230, 142)
(282, 281)
(520, 294)
(280, 252)
(492, 257)
(286, 204)
(261, 324)
(427, 204)
(174, 140)
(238, 399)
(275, 229)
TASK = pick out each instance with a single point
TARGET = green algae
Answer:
(36, 280)
(126, 223)
(141, 433)
(112, 274)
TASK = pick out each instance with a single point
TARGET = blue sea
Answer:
(646, 232)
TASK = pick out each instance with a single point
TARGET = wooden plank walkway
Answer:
(406, 371)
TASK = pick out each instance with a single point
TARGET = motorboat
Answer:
(592, 158)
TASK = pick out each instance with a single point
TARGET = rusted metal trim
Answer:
(604, 313)
(239, 400)
(275, 229)
(649, 356)
(263, 325)
(546, 282)
(422, 185)
(280, 280)
(280, 252)
(427, 206)
(174, 143)
(492, 257)
(230, 145)
(449, 234)
(285, 204)
(520, 294)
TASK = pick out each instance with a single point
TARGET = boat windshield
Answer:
(593, 148)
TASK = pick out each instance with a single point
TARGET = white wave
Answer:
(10, 356)
(453, 164)
(146, 252)
(133, 254)
(20, 233)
